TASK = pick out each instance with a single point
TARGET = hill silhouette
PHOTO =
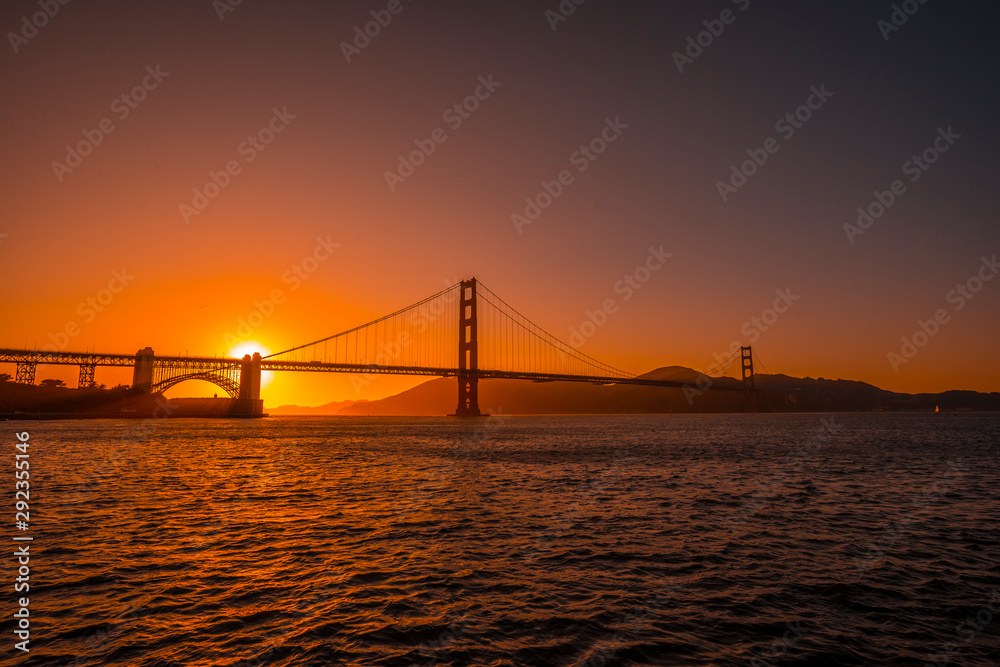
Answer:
(776, 393)
(331, 408)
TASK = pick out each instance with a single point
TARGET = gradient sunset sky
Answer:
(213, 78)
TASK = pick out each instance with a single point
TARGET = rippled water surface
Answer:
(637, 540)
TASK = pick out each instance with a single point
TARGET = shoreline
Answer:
(57, 416)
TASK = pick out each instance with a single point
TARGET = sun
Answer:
(249, 347)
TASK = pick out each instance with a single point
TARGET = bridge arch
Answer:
(231, 388)
(224, 376)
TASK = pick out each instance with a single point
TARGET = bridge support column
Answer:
(142, 372)
(746, 354)
(25, 373)
(468, 352)
(250, 403)
(87, 376)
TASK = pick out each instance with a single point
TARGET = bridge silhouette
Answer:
(464, 331)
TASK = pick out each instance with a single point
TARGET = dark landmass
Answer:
(18, 401)
(775, 393)
(330, 408)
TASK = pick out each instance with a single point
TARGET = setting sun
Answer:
(249, 347)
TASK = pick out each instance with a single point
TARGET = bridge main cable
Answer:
(561, 350)
(367, 324)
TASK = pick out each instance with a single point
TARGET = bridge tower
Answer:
(142, 372)
(468, 351)
(251, 404)
(746, 355)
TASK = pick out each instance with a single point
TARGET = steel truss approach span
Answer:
(464, 331)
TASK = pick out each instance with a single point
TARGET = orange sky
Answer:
(64, 233)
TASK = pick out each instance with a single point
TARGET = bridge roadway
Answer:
(482, 374)
(211, 363)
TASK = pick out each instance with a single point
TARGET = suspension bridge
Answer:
(464, 331)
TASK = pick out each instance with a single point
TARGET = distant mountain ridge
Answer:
(775, 393)
(331, 408)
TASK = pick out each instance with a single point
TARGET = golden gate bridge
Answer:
(464, 331)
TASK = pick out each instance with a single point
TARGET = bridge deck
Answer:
(98, 359)
(208, 363)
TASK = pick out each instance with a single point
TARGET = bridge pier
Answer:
(142, 372)
(87, 372)
(25, 373)
(249, 402)
(468, 352)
